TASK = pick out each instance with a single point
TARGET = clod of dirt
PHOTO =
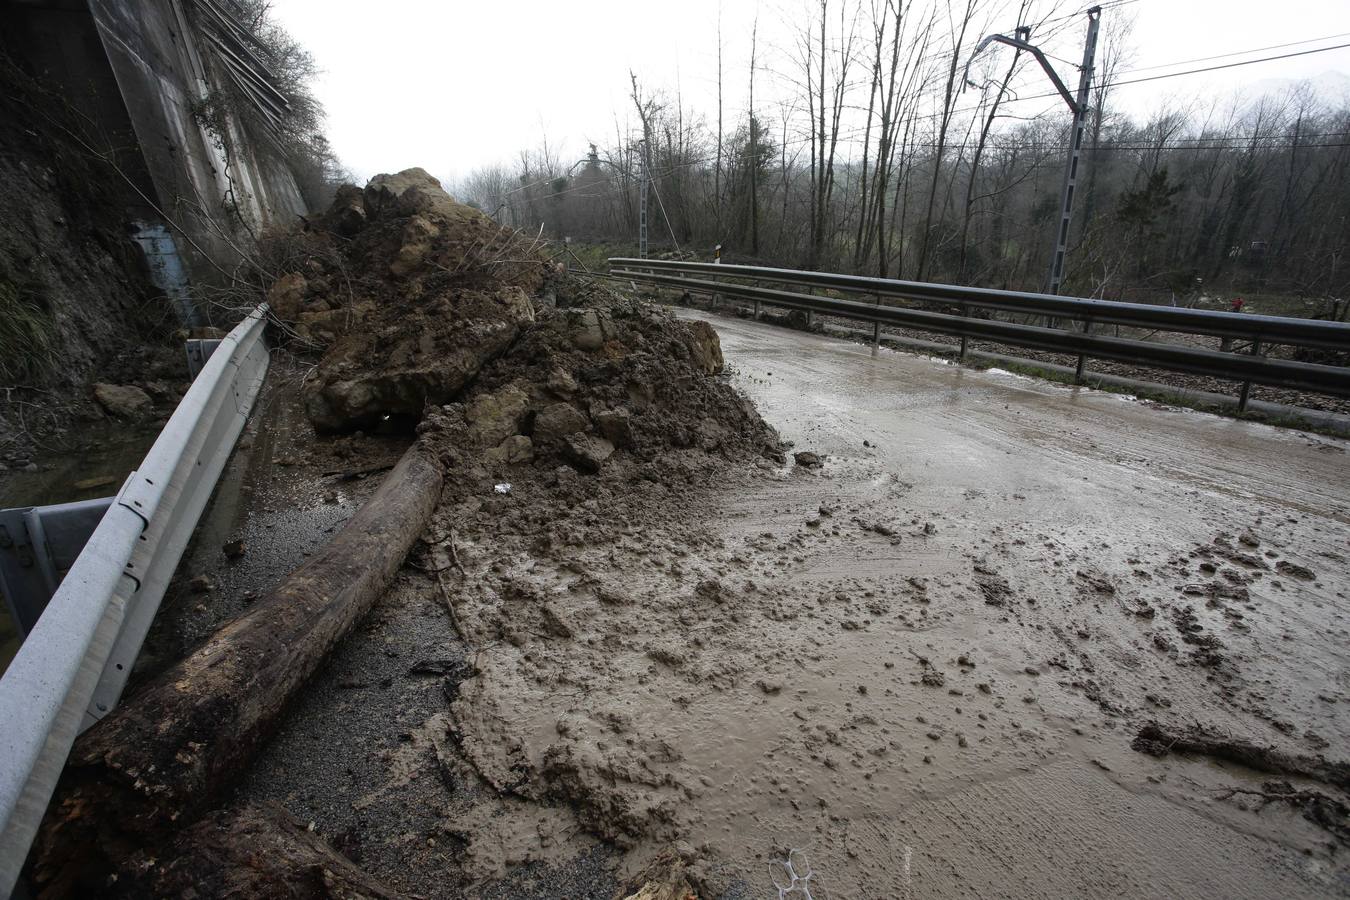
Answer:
(993, 586)
(1294, 570)
(558, 421)
(514, 450)
(588, 453)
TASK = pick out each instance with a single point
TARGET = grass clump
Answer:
(27, 336)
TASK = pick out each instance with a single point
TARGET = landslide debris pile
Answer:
(426, 310)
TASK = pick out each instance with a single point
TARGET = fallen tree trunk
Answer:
(248, 853)
(170, 751)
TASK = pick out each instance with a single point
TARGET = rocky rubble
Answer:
(426, 310)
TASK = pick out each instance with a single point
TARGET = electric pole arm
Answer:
(1034, 51)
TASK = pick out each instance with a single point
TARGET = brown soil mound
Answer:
(417, 301)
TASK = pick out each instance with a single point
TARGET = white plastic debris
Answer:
(503, 488)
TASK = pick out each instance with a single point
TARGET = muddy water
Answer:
(923, 664)
(96, 471)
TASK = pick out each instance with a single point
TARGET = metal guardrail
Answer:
(1270, 329)
(1248, 368)
(72, 667)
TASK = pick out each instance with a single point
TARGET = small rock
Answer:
(616, 426)
(561, 383)
(88, 484)
(439, 667)
(234, 549)
(808, 460)
(202, 584)
(123, 401)
(588, 453)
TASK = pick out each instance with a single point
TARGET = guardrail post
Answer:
(876, 328)
(1082, 358)
(1245, 394)
(965, 311)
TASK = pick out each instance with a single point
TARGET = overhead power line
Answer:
(1232, 65)
(1185, 62)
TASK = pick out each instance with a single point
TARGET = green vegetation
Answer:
(27, 336)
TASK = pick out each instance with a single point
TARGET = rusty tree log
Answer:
(169, 752)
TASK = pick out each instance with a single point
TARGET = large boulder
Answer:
(418, 236)
(553, 423)
(287, 296)
(496, 416)
(410, 192)
(589, 328)
(347, 213)
(123, 401)
(705, 348)
(409, 356)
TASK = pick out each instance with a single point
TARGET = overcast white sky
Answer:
(450, 86)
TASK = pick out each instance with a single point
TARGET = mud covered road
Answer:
(922, 663)
(1049, 552)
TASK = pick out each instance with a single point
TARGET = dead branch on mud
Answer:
(1159, 740)
(250, 852)
(1325, 812)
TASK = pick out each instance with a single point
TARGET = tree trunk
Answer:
(174, 748)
